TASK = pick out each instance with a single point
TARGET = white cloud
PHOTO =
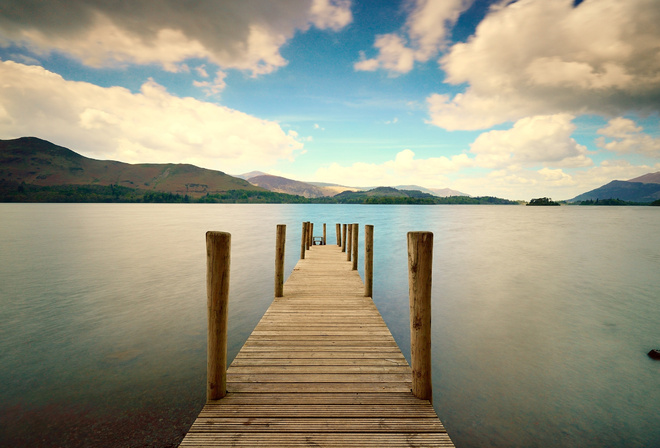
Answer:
(332, 14)
(213, 87)
(560, 184)
(625, 137)
(244, 35)
(393, 56)
(404, 169)
(537, 57)
(149, 126)
(532, 141)
(201, 71)
(424, 34)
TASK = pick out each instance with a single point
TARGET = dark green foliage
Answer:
(656, 203)
(542, 202)
(610, 202)
(22, 192)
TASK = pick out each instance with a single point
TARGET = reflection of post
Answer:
(349, 241)
(303, 241)
(368, 260)
(218, 246)
(279, 260)
(338, 230)
(324, 234)
(343, 238)
(354, 245)
(420, 260)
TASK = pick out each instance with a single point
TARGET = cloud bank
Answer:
(149, 126)
(423, 35)
(244, 35)
(537, 57)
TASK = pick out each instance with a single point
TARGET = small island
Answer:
(542, 201)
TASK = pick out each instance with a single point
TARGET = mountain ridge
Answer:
(39, 162)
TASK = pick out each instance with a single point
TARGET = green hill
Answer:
(36, 162)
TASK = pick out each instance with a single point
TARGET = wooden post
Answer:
(324, 234)
(280, 241)
(349, 241)
(218, 257)
(303, 241)
(311, 234)
(307, 232)
(343, 238)
(420, 260)
(338, 231)
(368, 260)
(354, 245)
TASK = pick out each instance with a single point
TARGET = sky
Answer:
(515, 99)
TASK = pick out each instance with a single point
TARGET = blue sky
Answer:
(516, 99)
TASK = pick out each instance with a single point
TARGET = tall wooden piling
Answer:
(420, 261)
(218, 257)
(338, 231)
(349, 241)
(307, 233)
(343, 238)
(368, 260)
(280, 242)
(324, 234)
(354, 245)
(311, 234)
(303, 241)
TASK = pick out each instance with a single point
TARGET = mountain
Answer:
(246, 176)
(440, 192)
(283, 185)
(385, 192)
(650, 178)
(33, 161)
(645, 188)
(389, 195)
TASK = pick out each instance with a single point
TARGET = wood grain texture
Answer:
(320, 369)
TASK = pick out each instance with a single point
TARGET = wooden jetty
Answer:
(320, 369)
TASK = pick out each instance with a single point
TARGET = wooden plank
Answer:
(390, 398)
(318, 387)
(319, 440)
(265, 424)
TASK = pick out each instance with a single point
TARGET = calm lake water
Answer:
(542, 317)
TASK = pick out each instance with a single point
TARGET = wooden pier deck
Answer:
(320, 369)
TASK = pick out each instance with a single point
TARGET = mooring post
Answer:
(343, 238)
(280, 241)
(349, 241)
(420, 261)
(303, 241)
(218, 257)
(368, 260)
(354, 245)
(311, 234)
(338, 231)
(307, 233)
(324, 234)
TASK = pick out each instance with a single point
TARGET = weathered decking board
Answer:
(320, 369)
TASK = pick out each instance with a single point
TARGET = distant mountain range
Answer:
(283, 185)
(645, 188)
(38, 162)
(41, 164)
(321, 189)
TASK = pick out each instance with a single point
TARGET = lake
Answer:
(542, 316)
